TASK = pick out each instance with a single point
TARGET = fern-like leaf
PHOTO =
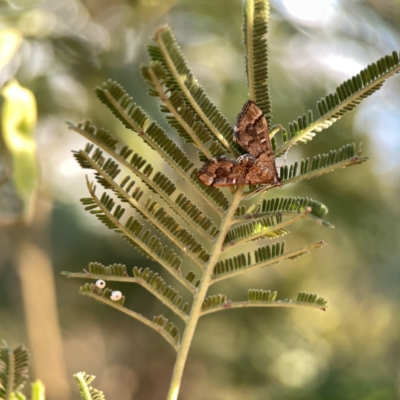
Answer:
(13, 370)
(113, 270)
(286, 206)
(263, 256)
(179, 78)
(264, 298)
(134, 233)
(87, 392)
(321, 164)
(267, 227)
(135, 163)
(255, 29)
(106, 213)
(107, 170)
(133, 117)
(180, 116)
(151, 281)
(345, 98)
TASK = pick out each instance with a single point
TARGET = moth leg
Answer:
(284, 158)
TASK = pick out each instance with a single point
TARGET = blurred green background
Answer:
(350, 352)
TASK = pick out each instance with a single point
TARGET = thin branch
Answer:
(127, 279)
(135, 315)
(199, 297)
(245, 304)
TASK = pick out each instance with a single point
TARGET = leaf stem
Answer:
(199, 297)
(139, 281)
(135, 315)
(245, 304)
(84, 390)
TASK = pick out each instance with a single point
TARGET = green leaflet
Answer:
(344, 99)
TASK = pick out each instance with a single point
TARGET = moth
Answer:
(255, 168)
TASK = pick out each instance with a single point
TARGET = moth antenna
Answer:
(284, 159)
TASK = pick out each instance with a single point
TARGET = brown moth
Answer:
(255, 168)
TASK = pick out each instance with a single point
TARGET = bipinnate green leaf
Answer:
(148, 279)
(255, 29)
(345, 98)
(180, 115)
(202, 223)
(107, 171)
(263, 256)
(178, 77)
(13, 370)
(286, 206)
(322, 164)
(265, 299)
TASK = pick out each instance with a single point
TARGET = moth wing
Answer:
(251, 131)
(222, 172)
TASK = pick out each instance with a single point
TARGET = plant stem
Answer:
(195, 312)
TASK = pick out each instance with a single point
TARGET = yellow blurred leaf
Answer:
(18, 124)
(10, 40)
(38, 390)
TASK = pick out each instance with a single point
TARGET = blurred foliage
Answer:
(19, 123)
(350, 352)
